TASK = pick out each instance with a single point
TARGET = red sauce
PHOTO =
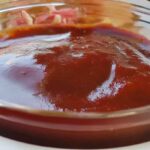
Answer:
(88, 69)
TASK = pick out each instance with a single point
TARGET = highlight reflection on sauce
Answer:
(96, 69)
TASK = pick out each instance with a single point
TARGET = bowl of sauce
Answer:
(75, 74)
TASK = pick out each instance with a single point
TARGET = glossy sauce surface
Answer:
(88, 69)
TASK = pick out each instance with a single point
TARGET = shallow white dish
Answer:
(7, 144)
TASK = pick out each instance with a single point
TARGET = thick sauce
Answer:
(90, 69)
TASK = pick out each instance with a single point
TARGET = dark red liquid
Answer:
(93, 69)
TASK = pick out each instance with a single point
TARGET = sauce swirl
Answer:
(87, 69)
